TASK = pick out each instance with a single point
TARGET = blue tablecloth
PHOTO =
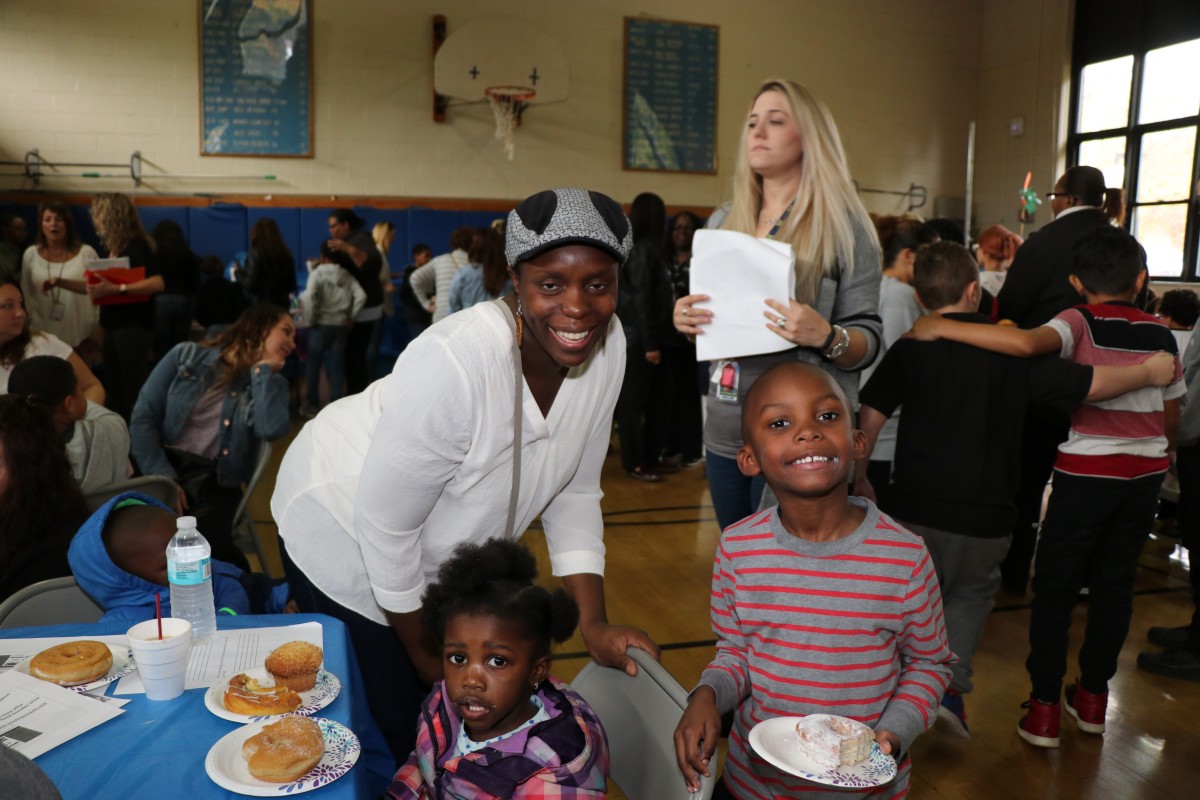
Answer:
(157, 749)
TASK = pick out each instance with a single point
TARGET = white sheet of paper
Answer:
(97, 264)
(739, 272)
(37, 716)
(230, 652)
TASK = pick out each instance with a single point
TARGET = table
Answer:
(157, 749)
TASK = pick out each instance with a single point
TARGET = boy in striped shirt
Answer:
(1106, 479)
(820, 605)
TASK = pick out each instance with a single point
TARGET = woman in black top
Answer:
(355, 250)
(644, 308)
(41, 506)
(269, 274)
(128, 316)
(179, 268)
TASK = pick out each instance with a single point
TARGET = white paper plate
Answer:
(775, 740)
(225, 765)
(326, 690)
(122, 665)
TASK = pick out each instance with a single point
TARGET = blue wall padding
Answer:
(219, 230)
(152, 215)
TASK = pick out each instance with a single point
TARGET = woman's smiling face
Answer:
(568, 296)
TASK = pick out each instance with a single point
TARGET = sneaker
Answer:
(954, 712)
(1087, 708)
(1169, 637)
(644, 474)
(669, 464)
(1175, 662)
(1040, 727)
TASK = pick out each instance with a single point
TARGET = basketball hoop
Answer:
(507, 103)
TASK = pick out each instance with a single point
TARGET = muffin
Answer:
(295, 665)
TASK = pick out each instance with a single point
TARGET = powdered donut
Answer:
(72, 663)
(828, 741)
(295, 665)
(285, 750)
(245, 695)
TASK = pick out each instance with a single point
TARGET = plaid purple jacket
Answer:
(565, 757)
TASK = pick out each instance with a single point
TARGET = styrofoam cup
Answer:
(161, 664)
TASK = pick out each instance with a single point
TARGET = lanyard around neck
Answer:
(779, 222)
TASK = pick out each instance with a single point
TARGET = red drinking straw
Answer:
(158, 612)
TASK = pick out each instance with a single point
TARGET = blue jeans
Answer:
(327, 345)
(734, 496)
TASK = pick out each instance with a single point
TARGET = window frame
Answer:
(1133, 132)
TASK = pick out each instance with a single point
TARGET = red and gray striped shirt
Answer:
(1123, 437)
(852, 627)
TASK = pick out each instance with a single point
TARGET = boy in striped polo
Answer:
(820, 605)
(1106, 479)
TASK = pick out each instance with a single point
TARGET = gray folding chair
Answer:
(58, 601)
(640, 714)
(245, 536)
(160, 487)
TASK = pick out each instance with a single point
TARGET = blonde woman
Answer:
(384, 234)
(128, 326)
(791, 184)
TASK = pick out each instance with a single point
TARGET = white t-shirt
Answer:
(40, 344)
(79, 317)
(374, 494)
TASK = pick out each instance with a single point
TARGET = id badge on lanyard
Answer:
(726, 376)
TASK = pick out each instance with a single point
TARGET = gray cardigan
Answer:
(851, 303)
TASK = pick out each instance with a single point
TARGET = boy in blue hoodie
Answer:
(119, 559)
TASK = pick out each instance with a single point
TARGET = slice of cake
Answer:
(829, 742)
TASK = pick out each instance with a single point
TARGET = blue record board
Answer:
(670, 96)
(256, 78)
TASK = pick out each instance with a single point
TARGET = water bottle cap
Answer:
(185, 522)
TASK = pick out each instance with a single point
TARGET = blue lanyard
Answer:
(782, 218)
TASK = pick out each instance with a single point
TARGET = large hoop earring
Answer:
(520, 324)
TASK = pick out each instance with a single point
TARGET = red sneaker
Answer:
(1040, 726)
(1087, 708)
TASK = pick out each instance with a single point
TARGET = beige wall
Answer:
(88, 81)
(1024, 71)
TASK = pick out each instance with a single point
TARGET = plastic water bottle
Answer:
(189, 570)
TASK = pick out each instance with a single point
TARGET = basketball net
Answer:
(507, 103)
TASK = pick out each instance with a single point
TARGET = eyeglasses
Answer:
(1052, 195)
(12, 306)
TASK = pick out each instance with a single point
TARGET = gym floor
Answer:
(661, 538)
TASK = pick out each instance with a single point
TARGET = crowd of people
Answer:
(862, 547)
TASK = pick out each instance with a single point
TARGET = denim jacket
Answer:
(255, 408)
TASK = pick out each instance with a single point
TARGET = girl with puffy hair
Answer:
(497, 724)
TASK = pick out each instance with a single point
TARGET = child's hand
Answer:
(1162, 368)
(696, 736)
(927, 328)
(889, 743)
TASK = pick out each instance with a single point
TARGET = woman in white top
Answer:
(52, 277)
(375, 493)
(19, 342)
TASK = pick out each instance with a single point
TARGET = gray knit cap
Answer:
(558, 217)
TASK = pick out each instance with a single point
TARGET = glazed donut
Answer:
(295, 665)
(72, 663)
(245, 695)
(284, 751)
